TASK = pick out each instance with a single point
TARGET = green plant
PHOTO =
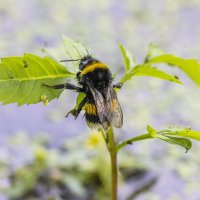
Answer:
(22, 81)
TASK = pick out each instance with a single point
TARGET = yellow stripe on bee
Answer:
(90, 109)
(92, 67)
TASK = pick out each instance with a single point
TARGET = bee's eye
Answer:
(83, 65)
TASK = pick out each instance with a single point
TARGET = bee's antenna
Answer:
(70, 60)
(86, 49)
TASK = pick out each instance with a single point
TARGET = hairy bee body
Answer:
(101, 105)
(98, 74)
(96, 79)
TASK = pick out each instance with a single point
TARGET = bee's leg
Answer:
(118, 85)
(76, 112)
(65, 86)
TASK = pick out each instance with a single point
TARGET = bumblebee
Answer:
(101, 105)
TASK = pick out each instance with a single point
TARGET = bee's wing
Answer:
(100, 104)
(113, 111)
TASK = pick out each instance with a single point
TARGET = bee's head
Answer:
(85, 61)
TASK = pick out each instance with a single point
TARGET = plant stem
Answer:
(114, 178)
(113, 157)
(131, 140)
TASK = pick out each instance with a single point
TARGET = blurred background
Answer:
(44, 156)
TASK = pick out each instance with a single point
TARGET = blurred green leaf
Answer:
(184, 132)
(129, 60)
(22, 79)
(25, 178)
(69, 49)
(191, 67)
(74, 184)
(186, 143)
(74, 50)
(163, 135)
(131, 69)
(148, 70)
(153, 51)
(156, 55)
(151, 131)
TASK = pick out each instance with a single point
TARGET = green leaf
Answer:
(191, 67)
(186, 143)
(79, 99)
(74, 50)
(153, 51)
(148, 70)
(163, 135)
(129, 60)
(184, 132)
(152, 132)
(22, 79)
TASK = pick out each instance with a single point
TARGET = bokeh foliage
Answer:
(73, 170)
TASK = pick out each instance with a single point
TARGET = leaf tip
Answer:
(153, 50)
(151, 131)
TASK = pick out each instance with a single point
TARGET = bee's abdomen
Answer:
(91, 115)
(90, 109)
